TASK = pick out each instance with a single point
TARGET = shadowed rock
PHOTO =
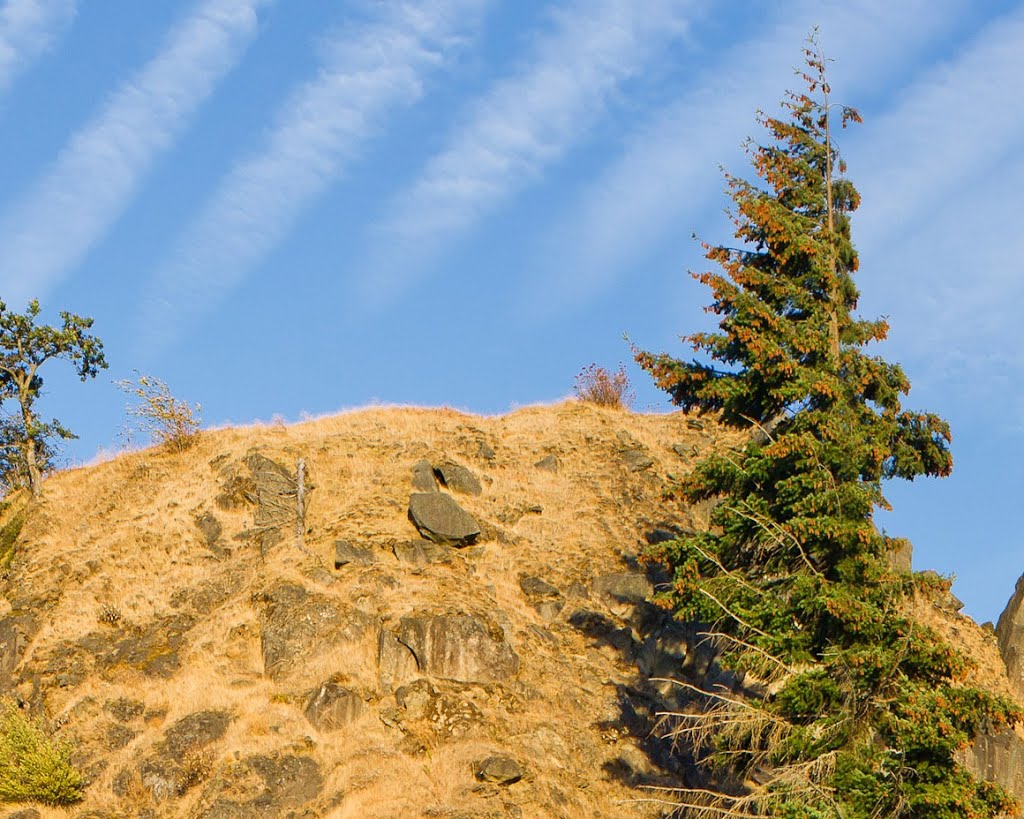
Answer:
(546, 600)
(459, 647)
(440, 519)
(537, 589)
(164, 774)
(622, 591)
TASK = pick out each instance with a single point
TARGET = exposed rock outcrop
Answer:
(297, 625)
(1010, 634)
(462, 647)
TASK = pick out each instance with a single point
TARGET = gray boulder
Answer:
(417, 699)
(422, 552)
(637, 460)
(286, 782)
(276, 491)
(545, 599)
(396, 663)
(458, 478)
(440, 519)
(193, 732)
(499, 769)
(549, 463)
(211, 530)
(462, 647)
(332, 707)
(536, 589)
(153, 649)
(345, 554)
(423, 476)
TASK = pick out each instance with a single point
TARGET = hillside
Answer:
(164, 615)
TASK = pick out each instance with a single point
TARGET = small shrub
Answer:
(596, 385)
(33, 766)
(169, 421)
(196, 766)
(109, 615)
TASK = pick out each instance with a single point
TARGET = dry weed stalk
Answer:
(596, 385)
(169, 421)
(803, 779)
(732, 726)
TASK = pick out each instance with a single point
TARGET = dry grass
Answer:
(122, 536)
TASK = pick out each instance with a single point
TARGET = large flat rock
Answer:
(440, 519)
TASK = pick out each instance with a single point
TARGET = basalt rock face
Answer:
(1000, 758)
(1010, 634)
(503, 660)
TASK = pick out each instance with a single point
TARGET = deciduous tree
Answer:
(25, 347)
(854, 708)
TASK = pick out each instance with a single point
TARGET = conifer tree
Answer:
(852, 707)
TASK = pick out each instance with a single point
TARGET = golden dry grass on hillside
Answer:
(122, 537)
(119, 541)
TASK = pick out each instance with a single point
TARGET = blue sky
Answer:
(288, 208)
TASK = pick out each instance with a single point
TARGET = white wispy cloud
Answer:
(525, 123)
(50, 230)
(941, 185)
(27, 29)
(668, 176)
(945, 130)
(368, 71)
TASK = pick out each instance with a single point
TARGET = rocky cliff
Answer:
(388, 613)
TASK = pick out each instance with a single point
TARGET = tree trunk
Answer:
(28, 448)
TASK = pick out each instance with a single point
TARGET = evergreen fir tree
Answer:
(859, 710)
